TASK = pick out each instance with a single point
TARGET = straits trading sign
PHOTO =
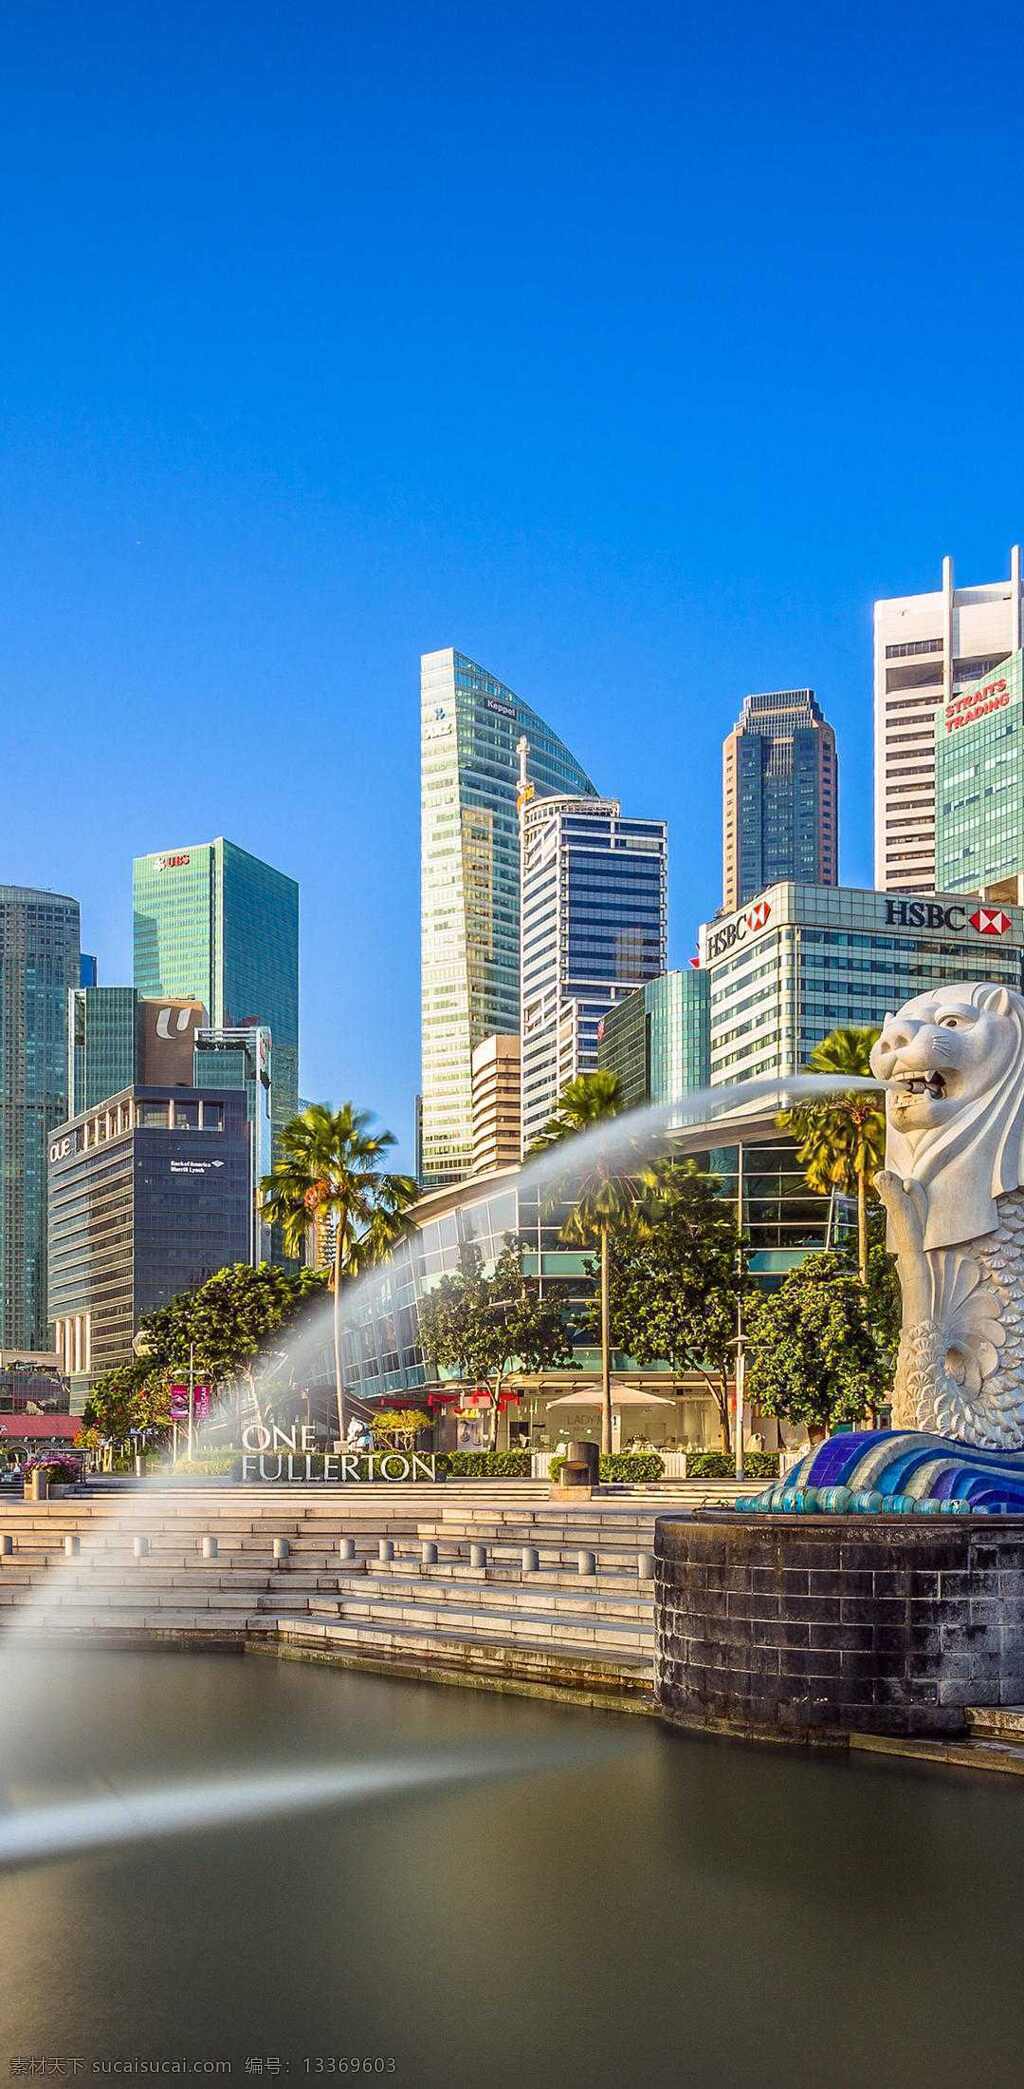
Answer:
(292, 1454)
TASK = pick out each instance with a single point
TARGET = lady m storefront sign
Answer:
(291, 1454)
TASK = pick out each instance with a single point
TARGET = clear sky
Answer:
(631, 350)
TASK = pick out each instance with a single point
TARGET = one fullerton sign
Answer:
(289, 1454)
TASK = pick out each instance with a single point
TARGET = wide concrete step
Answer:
(584, 1596)
(584, 1627)
(440, 1640)
(996, 1722)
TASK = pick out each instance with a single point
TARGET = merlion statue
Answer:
(952, 1061)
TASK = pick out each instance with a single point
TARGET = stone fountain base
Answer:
(809, 1628)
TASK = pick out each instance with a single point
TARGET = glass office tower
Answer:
(658, 1040)
(243, 1059)
(148, 1195)
(218, 924)
(471, 724)
(594, 926)
(780, 796)
(979, 784)
(101, 1044)
(39, 964)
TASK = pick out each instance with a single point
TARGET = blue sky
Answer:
(632, 351)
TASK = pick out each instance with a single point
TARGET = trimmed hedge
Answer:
(485, 1465)
(632, 1468)
(721, 1465)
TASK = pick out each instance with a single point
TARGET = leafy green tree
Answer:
(604, 1180)
(841, 1140)
(131, 1396)
(676, 1286)
(230, 1324)
(482, 1328)
(398, 1427)
(328, 1181)
(811, 1354)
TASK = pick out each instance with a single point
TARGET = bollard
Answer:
(586, 1562)
(6, 1547)
(72, 1545)
(478, 1555)
(281, 1548)
(428, 1552)
(346, 1548)
(385, 1550)
(140, 1466)
(210, 1547)
(140, 1547)
(645, 1566)
(531, 1559)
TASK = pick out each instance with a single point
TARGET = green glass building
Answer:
(658, 1040)
(217, 924)
(979, 783)
(101, 1044)
(39, 965)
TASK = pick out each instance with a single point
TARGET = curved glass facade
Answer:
(470, 725)
(383, 1357)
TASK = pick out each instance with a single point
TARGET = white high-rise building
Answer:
(594, 927)
(927, 646)
(470, 725)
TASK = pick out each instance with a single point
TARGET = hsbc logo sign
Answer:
(928, 913)
(990, 921)
(751, 923)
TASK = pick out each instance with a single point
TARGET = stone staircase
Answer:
(135, 1572)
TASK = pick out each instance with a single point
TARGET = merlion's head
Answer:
(953, 1065)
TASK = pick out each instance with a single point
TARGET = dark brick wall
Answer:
(809, 1627)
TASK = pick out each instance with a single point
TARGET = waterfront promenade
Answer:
(494, 1583)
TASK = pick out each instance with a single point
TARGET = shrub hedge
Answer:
(485, 1465)
(721, 1465)
(631, 1467)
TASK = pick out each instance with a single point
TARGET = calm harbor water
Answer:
(620, 1905)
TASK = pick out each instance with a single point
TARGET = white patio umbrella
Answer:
(622, 1396)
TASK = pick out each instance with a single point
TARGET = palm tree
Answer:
(607, 1189)
(328, 1175)
(841, 1140)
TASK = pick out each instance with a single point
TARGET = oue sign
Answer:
(288, 1454)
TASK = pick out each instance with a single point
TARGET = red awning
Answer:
(48, 1428)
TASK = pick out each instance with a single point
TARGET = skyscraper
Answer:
(101, 1044)
(39, 963)
(219, 925)
(926, 648)
(470, 725)
(979, 786)
(780, 796)
(594, 926)
(658, 1040)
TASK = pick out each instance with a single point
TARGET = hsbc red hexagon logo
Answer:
(758, 916)
(990, 921)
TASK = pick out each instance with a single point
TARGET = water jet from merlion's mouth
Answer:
(104, 1820)
(696, 1122)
